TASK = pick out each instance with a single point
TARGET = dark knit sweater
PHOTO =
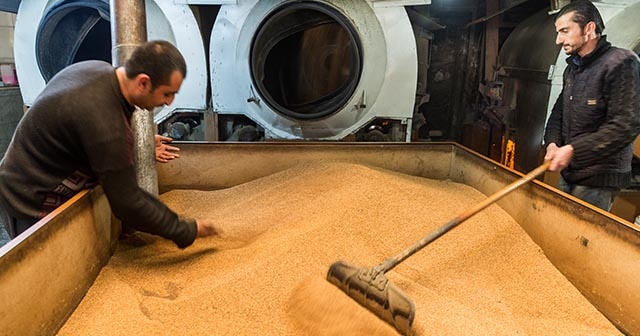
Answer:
(75, 135)
(598, 114)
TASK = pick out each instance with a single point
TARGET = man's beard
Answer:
(574, 49)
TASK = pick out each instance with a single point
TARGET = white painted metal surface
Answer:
(206, 2)
(387, 83)
(391, 3)
(165, 20)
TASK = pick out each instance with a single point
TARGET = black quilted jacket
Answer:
(598, 113)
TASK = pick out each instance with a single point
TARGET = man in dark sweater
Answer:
(596, 118)
(77, 134)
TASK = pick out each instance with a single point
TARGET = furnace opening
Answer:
(306, 60)
(73, 31)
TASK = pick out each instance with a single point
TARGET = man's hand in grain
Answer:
(165, 152)
(207, 228)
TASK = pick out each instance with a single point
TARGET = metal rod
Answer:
(392, 262)
(490, 16)
(129, 30)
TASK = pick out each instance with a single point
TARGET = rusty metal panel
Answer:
(210, 166)
(595, 250)
(46, 271)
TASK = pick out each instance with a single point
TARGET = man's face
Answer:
(570, 36)
(162, 94)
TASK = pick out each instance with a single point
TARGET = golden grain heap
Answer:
(266, 274)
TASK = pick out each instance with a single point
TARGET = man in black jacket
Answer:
(596, 118)
(77, 134)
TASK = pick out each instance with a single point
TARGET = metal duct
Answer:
(129, 30)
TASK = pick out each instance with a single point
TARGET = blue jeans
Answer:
(13, 226)
(601, 197)
(4, 236)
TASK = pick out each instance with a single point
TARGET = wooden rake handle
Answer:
(392, 262)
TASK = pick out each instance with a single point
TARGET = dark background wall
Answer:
(463, 61)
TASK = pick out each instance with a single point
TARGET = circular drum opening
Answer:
(306, 60)
(73, 31)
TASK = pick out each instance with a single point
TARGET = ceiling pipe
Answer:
(556, 5)
(128, 31)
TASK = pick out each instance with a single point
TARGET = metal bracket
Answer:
(361, 104)
(253, 98)
(552, 69)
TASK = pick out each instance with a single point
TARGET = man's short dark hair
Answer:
(584, 12)
(158, 59)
